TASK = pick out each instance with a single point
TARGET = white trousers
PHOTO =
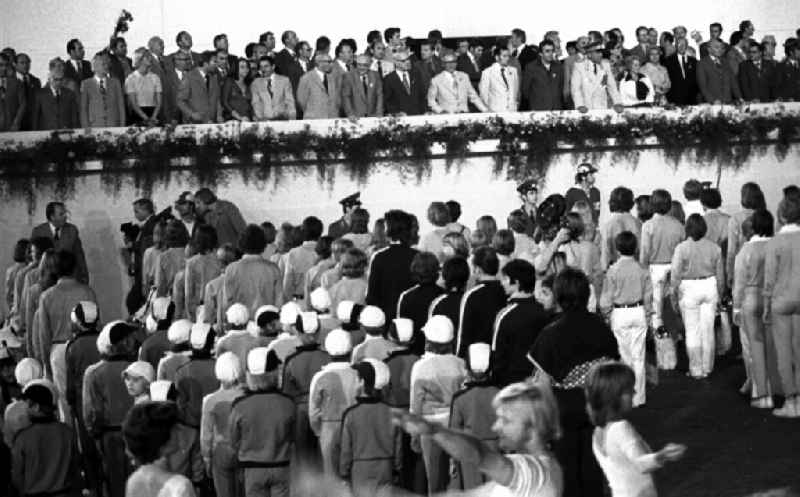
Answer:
(659, 275)
(629, 325)
(58, 364)
(698, 304)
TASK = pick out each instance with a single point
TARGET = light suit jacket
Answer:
(494, 92)
(193, 96)
(592, 90)
(279, 105)
(443, 97)
(358, 104)
(314, 100)
(102, 110)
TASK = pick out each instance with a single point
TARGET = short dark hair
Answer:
(499, 49)
(486, 259)
(147, 428)
(205, 195)
(710, 198)
(438, 214)
(661, 202)
(692, 189)
(219, 37)
(571, 44)
(252, 240)
(455, 273)
(312, 228)
(715, 25)
(605, 386)
(571, 289)
(503, 242)
(621, 199)
(743, 25)
(359, 221)
(66, 263)
(205, 239)
(323, 247)
(71, 44)
(752, 196)
(175, 234)
(21, 249)
(435, 34)
(522, 273)
(145, 203)
(755, 44)
(696, 227)
(519, 33)
(641, 28)
(668, 37)
(677, 212)
(736, 37)
(398, 225)
(389, 33)
(762, 222)
(425, 268)
(180, 35)
(625, 243)
(269, 231)
(373, 36)
(455, 210)
(517, 221)
(206, 56)
(249, 49)
(262, 38)
(267, 58)
(789, 209)
(644, 210)
(323, 43)
(51, 207)
(354, 263)
(42, 243)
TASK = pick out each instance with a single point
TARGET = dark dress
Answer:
(233, 99)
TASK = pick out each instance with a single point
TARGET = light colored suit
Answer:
(195, 96)
(102, 109)
(355, 102)
(314, 100)
(450, 93)
(498, 96)
(279, 105)
(592, 90)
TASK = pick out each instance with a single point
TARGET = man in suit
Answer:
(715, 32)
(715, 78)
(362, 91)
(272, 93)
(344, 60)
(736, 53)
(286, 63)
(520, 52)
(76, 68)
(499, 86)
(682, 72)
(402, 89)
(642, 50)
(144, 213)
(380, 61)
(55, 107)
(175, 71)
(593, 83)
(119, 64)
(31, 86)
(788, 73)
(468, 60)
(102, 102)
(450, 90)
(160, 65)
(65, 236)
(318, 93)
(757, 76)
(390, 267)
(12, 96)
(428, 66)
(221, 45)
(543, 80)
(184, 41)
(199, 92)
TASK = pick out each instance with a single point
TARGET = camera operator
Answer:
(187, 213)
(138, 236)
(585, 190)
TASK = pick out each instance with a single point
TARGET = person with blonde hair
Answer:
(439, 217)
(143, 89)
(353, 282)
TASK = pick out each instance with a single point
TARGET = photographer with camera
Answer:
(585, 190)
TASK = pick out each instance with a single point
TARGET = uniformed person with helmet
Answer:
(529, 194)
(342, 226)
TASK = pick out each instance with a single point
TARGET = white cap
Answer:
(338, 343)
(439, 329)
(140, 369)
(257, 360)
(237, 314)
(27, 370)
(310, 322)
(344, 310)
(199, 335)
(382, 373)
(372, 317)
(289, 313)
(160, 308)
(84, 313)
(265, 308)
(253, 328)
(228, 367)
(104, 338)
(159, 390)
(200, 313)
(404, 328)
(479, 354)
(179, 331)
(320, 299)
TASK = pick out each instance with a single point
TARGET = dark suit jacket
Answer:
(716, 81)
(528, 55)
(788, 81)
(427, 70)
(396, 99)
(757, 84)
(71, 73)
(119, 68)
(286, 65)
(12, 105)
(193, 96)
(358, 104)
(169, 96)
(389, 276)
(70, 241)
(465, 65)
(683, 90)
(52, 113)
(543, 88)
(31, 89)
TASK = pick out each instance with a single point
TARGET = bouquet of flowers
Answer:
(122, 22)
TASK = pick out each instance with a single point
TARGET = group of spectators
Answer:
(595, 71)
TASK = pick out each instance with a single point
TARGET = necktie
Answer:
(58, 96)
(103, 86)
(380, 71)
(514, 53)
(406, 84)
(503, 74)
(208, 81)
(26, 78)
(683, 63)
(595, 69)
(325, 82)
(364, 83)
(269, 87)
(57, 234)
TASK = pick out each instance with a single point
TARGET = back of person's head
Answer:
(312, 229)
(269, 231)
(175, 234)
(644, 210)
(626, 243)
(536, 405)
(455, 273)
(478, 239)
(752, 196)
(398, 226)
(21, 249)
(205, 239)
(521, 272)
(455, 245)
(571, 289)
(425, 268)
(710, 198)
(661, 202)
(438, 214)
(455, 210)
(354, 263)
(789, 209)
(42, 244)
(517, 221)
(205, 195)
(485, 258)
(692, 189)
(605, 388)
(147, 429)
(503, 242)
(227, 254)
(621, 199)
(488, 225)
(324, 247)
(66, 263)
(696, 227)
(574, 223)
(762, 223)
(676, 211)
(252, 240)
(359, 221)
(340, 246)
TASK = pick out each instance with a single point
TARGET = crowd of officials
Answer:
(256, 358)
(393, 75)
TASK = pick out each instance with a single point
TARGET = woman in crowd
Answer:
(751, 199)
(236, 95)
(439, 217)
(144, 90)
(657, 74)
(486, 225)
(353, 285)
(150, 257)
(173, 259)
(635, 88)
(47, 278)
(503, 243)
(359, 230)
(20, 261)
(455, 245)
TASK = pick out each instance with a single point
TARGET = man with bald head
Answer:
(362, 90)
(318, 93)
(451, 90)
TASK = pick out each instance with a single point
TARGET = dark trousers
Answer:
(582, 475)
(115, 463)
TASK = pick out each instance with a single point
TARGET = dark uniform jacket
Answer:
(389, 276)
(105, 398)
(471, 411)
(260, 440)
(757, 83)
(414, 304)
(515, 330)
(543, 87)
(338, 229)
(447, 304)
(194, 380)
(479, 307)
(300, 368)
(154, 348)
(683, 89)
(788, 81)
(45, 459)
(398, 392)
(81, 353)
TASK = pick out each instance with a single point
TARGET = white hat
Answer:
(27, 370)
(85, 313)
(200, 313)
(338, 343)
(228, 367)
(199, 335)
(372, 317)
(382, 373)
(237, 314)
(140, 369)
(160, 390)
(160, 308)
(479, 354)
(112, 333)
(309, 322)
(253, 328)
(404, 329)
(320, 299)
(179, 331)
(259, 362)
(289, 313)
(438, 329)
(263, 310)
(345, 310)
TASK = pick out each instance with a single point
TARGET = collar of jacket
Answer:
(364, 399)
(482, 383)
(399, 352)
(308, 347)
